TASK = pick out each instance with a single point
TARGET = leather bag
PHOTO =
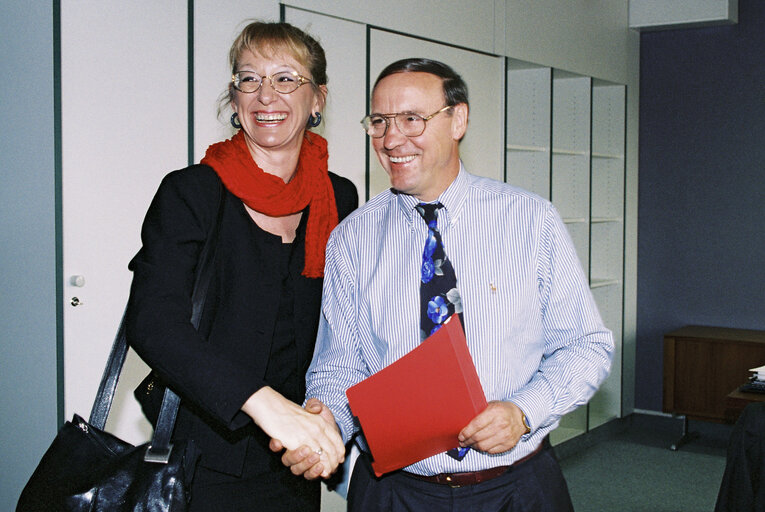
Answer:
(88, 469)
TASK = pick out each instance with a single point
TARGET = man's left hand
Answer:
(495, 430)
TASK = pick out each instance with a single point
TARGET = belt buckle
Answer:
(448, 481)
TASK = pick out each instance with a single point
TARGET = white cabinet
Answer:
(571, 139)
(566, 142)
(571, 156)
(529, 107)
(563, 137)
(216, 25)
(607, 234)
(344, 44)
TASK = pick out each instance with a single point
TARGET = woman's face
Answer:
(271, 120)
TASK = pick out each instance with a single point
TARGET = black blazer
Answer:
(216, 369)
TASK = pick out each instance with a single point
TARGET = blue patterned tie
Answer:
(439, 296)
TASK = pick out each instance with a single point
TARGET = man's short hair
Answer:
(455, 88)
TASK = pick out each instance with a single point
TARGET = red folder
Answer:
(415, 407)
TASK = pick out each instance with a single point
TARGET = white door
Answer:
(483, 147)
(124, 125)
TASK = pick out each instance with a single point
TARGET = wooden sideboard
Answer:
(737, 400)
(702, 365)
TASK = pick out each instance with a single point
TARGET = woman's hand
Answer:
(295, 427)
(303, 461)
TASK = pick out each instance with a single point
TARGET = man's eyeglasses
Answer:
(283, 83)
(408, 123)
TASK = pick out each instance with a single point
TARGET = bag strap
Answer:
(105, 395)
(160, 447)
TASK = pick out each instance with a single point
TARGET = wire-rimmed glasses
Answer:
(408, 123)
(283, 82)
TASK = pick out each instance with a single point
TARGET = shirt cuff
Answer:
(533, 403)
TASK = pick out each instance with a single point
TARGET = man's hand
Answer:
(303, 460)
(495, 430)
(296, 427)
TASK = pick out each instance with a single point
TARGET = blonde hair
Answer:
(273, 38)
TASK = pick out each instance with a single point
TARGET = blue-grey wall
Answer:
(28, 256)
(701, 221)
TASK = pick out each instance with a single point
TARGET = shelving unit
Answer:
(571, 156)
(571, 133)
(607, 234)
(528, 126)
(566, 142)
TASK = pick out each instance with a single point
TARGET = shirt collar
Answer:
(453, 199)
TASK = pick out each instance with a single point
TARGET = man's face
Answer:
(422, 166)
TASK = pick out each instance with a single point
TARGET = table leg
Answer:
(685, 438)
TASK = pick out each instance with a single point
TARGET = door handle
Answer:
(78, 281)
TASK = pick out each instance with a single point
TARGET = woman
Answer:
(241, 376)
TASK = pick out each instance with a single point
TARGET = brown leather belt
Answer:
(472, 477)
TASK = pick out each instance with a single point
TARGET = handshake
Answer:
(314, 447)
(310, 436)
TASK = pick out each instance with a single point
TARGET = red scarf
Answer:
(268, 194)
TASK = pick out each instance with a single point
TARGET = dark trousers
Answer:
(535, 485)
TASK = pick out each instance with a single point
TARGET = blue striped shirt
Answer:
(531, 323)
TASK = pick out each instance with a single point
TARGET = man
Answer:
(532, 327)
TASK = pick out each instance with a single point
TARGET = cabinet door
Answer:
(344, 44)
(216, 25)
(124, 125)
(482, 149)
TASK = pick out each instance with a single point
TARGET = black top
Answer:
(218, 368)
(284, 371)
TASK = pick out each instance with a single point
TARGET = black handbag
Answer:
(88, 469)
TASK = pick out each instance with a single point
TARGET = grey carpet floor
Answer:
(633, 470)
